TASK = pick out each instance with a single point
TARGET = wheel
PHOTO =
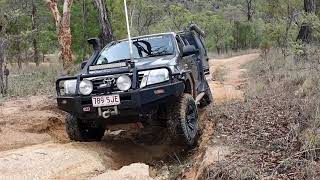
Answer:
(78, 131)
(207, 98)
(183, 122)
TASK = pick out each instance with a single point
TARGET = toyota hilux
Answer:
(161, 82)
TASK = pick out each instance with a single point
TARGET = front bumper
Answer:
(133, 103)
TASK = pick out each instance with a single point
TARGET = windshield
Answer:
(143, 47)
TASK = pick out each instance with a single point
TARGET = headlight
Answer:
(124, 83)
(70, 87)
(85, 87)
(154, 77)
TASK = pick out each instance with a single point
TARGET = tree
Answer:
(2, 47)
(306, 29)
(2, 50)
(84, 27)
(249, 9)
(62, 23)
(219, 30)
(317, 8)
(179, 15)
(34, 33)
(106, 35)
(143, 15)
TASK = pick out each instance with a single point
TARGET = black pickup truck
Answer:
(162, 84)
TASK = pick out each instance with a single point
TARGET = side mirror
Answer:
(84, 63)
(189, 50)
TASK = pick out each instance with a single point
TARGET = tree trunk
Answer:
(249, 9)
(65, 40)
(19, 58)
(219, 50)
(132, 14)
(317, 8)
(84, 28)
(63, 30)
(305, 33)
(2, 48)
(106, 35)
(34, 33)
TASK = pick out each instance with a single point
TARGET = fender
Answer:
(189, 82)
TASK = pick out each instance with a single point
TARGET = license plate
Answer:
(103, 101)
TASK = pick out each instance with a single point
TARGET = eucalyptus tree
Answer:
(62, 22)
(106, 35)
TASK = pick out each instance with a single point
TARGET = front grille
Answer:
(97, 81)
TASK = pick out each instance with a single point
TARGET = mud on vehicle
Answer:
(163, 84)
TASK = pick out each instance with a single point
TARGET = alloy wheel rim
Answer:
(191, 121)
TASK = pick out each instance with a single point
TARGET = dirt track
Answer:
(33, 144)
(230, 87)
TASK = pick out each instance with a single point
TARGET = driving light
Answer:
(85, 87)
(124, 83)
(70, 87)
(154, 77)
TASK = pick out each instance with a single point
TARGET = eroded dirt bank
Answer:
(33, 143)
(227, 88)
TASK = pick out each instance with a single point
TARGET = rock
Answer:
(48, 161)
(136, 171)
(163, 173)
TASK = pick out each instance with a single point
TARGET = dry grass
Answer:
(301, 79)
(31, 80)
(231, 53)
(276, 131)
(219, 73)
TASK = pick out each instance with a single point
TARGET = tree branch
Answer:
(65, 21)
(53, 6)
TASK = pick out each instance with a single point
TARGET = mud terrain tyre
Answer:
(183, 123)
(78, 131)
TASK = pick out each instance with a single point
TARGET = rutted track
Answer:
(34, 145)
(211, 150)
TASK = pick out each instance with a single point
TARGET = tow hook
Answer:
(107, 112)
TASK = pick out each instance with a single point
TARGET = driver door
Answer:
(190, 63)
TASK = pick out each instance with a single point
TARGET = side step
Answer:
(199, 97)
